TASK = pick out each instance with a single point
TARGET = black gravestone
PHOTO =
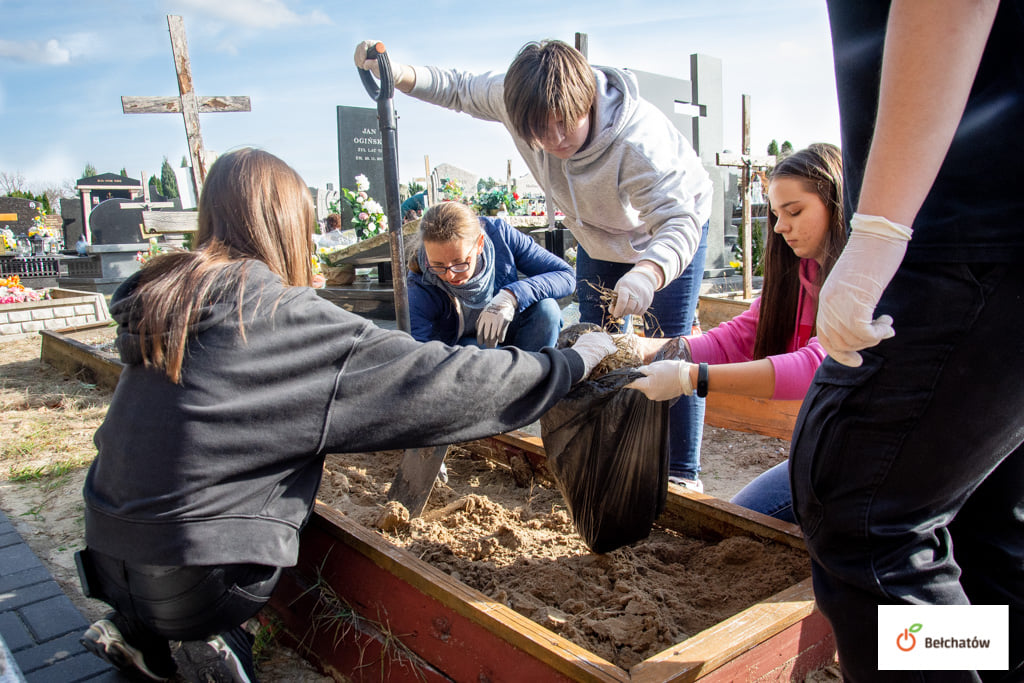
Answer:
(360, 152)
(110, 223)
(18, 214)
(71, 212)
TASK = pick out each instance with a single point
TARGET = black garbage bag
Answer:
(607, 449)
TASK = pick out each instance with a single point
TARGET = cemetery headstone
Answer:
(95, 189)
(74, 225)
(17, 214)
(111, 224)
(695, 108)
(116, 234)
(360, 152)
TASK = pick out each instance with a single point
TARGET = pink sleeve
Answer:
(793, 371)
(730, 342)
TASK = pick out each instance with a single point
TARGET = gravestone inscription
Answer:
(360, 152)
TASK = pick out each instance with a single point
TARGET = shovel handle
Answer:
(386, 90)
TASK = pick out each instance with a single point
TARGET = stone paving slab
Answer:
(39, 625)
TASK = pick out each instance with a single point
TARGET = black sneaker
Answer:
(106, 640)
(215, 661)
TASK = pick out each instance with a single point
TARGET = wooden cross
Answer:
(187, 102)
(749, 165)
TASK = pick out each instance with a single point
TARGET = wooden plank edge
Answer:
(703, 653)
(76, 359)
(701, 515)
(520, 632)
(749, 414)
(791, 655)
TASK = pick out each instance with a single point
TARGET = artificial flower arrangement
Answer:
(331, 271)
(13, 292)
(451, 190)
(368, 217)
(491, 202)
(154, 249)
(40, 229)
(8, 241)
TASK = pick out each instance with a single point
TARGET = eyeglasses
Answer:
(455, 268)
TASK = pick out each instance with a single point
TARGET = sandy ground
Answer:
(46, 444)
(518, 546)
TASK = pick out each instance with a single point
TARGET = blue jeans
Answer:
(769, 494)
(533, 329)
(671, 314)
(908, 472)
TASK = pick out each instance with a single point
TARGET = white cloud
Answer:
(255, 13)
(34, 52)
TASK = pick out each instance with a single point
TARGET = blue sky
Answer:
(64, 65)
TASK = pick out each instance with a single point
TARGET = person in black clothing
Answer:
(238, 379)
(907, 463)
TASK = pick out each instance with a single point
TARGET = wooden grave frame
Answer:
(405, 620)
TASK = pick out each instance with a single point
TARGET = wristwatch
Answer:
(702, 380)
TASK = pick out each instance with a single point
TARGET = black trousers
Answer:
(179, 603)
(908, 472)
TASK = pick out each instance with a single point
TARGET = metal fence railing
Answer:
(32, 266)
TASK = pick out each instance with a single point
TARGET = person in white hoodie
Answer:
(634, 192)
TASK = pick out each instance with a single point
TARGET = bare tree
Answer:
(54, 193)
(11, 182)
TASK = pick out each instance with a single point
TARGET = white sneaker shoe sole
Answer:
(105, 640)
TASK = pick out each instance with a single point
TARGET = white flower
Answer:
(373, 206)
(371, 226)
(362, 183)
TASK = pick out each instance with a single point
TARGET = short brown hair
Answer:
(333, 221)
(548, 77)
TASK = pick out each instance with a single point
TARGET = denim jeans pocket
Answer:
(819, 435)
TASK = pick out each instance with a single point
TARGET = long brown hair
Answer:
(820, 168)
(254, 207)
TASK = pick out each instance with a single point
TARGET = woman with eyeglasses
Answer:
(464, 283)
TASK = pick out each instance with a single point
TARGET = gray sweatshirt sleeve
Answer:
(481, 96)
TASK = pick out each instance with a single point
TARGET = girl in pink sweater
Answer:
(769, 351)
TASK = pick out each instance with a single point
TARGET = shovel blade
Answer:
(416, 476)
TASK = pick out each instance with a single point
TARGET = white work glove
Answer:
(593, 347)
(363, 48)
(398, 71)
(846, 305)
(633, 293)
(664, 380)
(493, 322)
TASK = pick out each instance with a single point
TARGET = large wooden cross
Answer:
(749, 165)
(187, 102)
